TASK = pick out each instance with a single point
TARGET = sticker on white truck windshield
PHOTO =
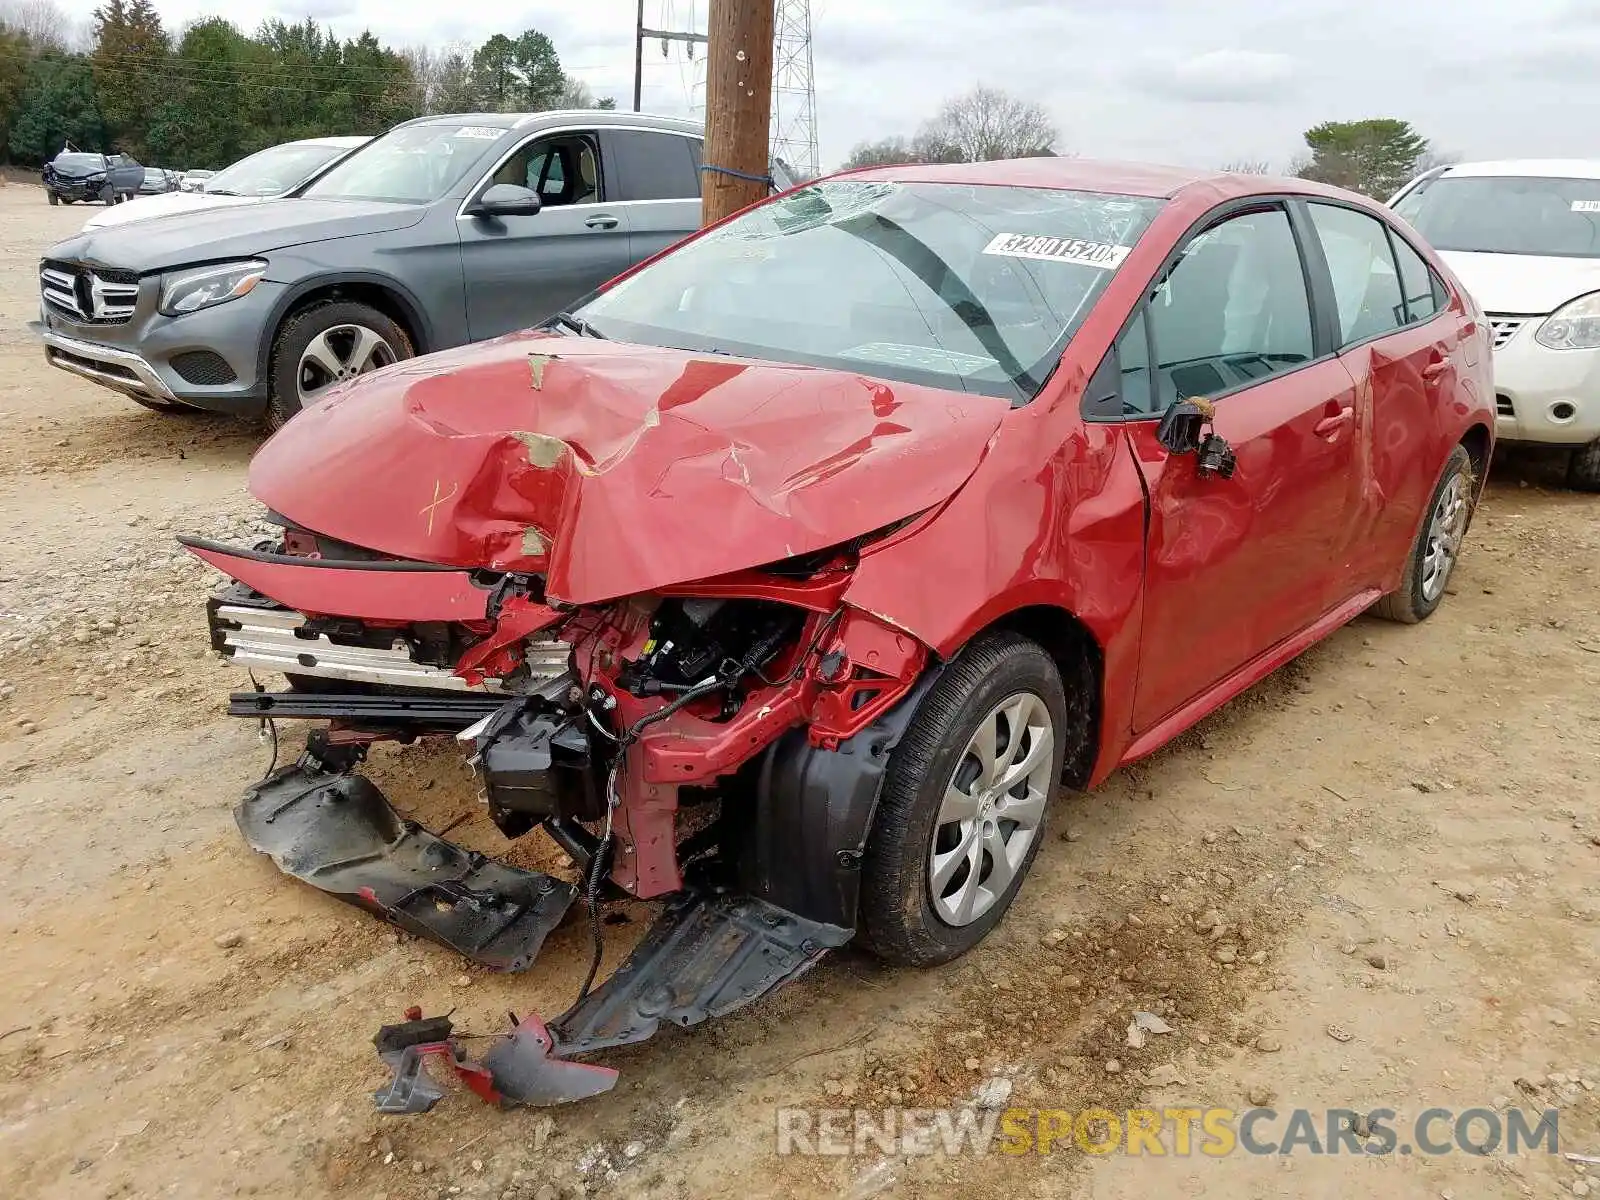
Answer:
(1054, 249)
(1586, 206)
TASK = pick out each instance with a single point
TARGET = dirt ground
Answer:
(1395, 840)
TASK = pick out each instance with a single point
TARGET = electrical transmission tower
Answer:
(794, 95)
(794, 91)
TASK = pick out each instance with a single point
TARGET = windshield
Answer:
(973, 288)
(416, 164)
(1507, 214)
(272, 172)
(80, 162)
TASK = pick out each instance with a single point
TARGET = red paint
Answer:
(651, 467)
(379, 596)
(499, 654)
(656, 473)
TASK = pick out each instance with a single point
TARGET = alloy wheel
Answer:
(1446, 527)
(992, 809)
(338, 354)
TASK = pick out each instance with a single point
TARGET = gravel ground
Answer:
(1371, 882)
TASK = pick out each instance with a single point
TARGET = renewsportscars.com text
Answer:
(1160, 1132)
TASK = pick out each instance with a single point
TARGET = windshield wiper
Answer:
(578, 325)
(220, 192)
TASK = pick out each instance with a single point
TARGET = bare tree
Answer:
(1432, 158)
(441, 78)
(987, 124)
(46, 25)
(1248, 166)
(575, 93)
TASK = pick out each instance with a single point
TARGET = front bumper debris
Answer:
(339, 834)
(708, 953)
(517, 1068)
(705, 956)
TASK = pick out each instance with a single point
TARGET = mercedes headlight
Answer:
(1574, 326)
(190, 291)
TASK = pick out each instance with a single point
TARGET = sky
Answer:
(1155, 80)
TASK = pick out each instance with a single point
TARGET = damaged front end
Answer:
(717, 746)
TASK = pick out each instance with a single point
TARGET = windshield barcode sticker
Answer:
(1054, 249)
(483, 133)
(1586, 206)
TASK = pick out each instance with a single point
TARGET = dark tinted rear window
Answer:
(653, 166)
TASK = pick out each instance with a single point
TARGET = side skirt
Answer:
(1251, 673)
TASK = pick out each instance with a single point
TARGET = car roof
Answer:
(330, 141)
(1557, 168)
(1096, 175)
(595, 117)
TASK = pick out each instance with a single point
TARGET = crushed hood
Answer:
(1523, 284)
(614, 469)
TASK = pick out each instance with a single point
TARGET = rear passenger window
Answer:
(653, 166)
(1366, 286)
(1423, 294)
(1232, 310)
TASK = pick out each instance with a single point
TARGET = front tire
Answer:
(324, 345)
(963, 807)
(1433, 555)
(54, 199)
(107, 196)
(1583, 468)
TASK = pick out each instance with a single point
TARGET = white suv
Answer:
(1524, 236)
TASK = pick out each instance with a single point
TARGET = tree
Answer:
(16, 50)
(988, 124)
(43, 23)
(494, 74)
(57, 105)
(575, 93)
(130, 57)
(1374, 156)
(518, 76)
(540, 78)
(888, 152)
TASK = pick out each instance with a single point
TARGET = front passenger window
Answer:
(1232, 310)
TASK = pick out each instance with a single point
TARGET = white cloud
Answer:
(1219, 76)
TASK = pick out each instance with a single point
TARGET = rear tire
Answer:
(933, 772)
(1583, 468)
(1433, 555)
(285, 395)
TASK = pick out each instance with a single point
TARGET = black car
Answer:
(75, 175)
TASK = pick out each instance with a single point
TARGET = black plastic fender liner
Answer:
(801, 846)
(706, 955)
(339, 834)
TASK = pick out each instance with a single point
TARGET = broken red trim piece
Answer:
(367, 591)
(518, 1068)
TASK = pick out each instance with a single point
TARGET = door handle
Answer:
(1329, 427)
(601, 222)
(1438, 364)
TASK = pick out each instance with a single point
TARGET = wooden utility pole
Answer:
(738, 106)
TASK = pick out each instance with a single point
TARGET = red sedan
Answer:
(787, 577)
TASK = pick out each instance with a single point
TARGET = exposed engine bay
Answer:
(718, 746)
